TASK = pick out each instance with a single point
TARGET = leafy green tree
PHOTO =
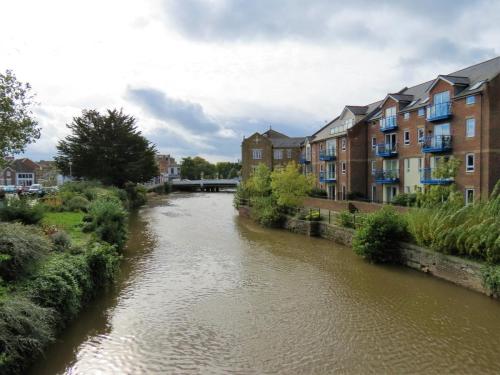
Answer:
(18, 127)
(289, 186)
(194, 168)
(446, 169)
(108, 148)
(259, 184)
(227, 169)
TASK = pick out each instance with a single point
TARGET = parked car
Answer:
(35, 189)
(9, 189)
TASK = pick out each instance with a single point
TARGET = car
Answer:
(35, 189)
(9, 189)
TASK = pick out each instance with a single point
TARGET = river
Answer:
(204, 291)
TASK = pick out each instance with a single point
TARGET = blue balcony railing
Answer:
(304, 159)
(388, 123)
(387, 176)
(439, 111)
(428, 177)
(328, 154)
(386, 150)
(327, 177)
(436, 144)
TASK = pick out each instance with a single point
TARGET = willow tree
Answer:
(18, 126)
(107, 147)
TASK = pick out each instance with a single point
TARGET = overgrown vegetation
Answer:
(24, 210)
(378, 236)
(50, 270)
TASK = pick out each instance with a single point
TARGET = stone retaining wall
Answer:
(459, 271)
(339, 206)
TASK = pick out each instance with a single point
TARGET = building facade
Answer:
(169, 169)
(20, 172)
(271, 148)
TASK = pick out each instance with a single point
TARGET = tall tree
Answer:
(108, 148)
(18, 127)
(226, 169)
(193, 168)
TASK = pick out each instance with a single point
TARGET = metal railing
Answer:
(438, 111)
(328, 176)
(429, 176)
(387, 175)
(386, 150)
(328, 154)
(437, 143)
(388, 123)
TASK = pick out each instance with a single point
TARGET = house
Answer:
(168, 168)
(272, 148)
(19, 172)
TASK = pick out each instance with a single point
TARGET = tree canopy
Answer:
(18, 127)
(107, 147)
(226, 169)
(289, 186)
(193, 168)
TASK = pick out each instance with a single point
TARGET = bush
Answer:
(405, 199)
(314, 215)
(266, 211)
(108, 219)
(136, 194)
(25, 211)
(61, 240)
(491, 279)
(103, 262)
(345, 219)
(62, 283)
(25, 329)
(77, 203)
(318, 193)
(20, 248)
(377, 238)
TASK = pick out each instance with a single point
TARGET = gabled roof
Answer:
(273, 134)
(287, 142)
(452, 80)
(357, 110)
(22, 165)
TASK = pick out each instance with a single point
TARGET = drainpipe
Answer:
(481, 148)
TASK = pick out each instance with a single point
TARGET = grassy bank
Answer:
(55, 254)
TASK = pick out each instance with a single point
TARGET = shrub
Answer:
(318, 193)
(20, 248)
(62, 283)
(491, 278)
(313, 215)
(405, 199)
(108, 219)
(377, 238)
(25, 211)
(345, 219)
(77, 203)
(61, 240)
(241, 197)
(266, 211)
(25, 329)
(103, 262)
(136, 194)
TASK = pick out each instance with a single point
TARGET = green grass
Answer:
(70, 222)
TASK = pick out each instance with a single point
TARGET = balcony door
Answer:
(331, 192)
(331, 145)
(442, 97)
(391, 111)
(390, 141)
(442, 134)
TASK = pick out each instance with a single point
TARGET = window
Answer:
(470, 127)
(469, 196)
(374, 167)
(407, 163)
(257, 154)
(7, 174)
(344, 195)
(407, 190)
(406, 137)
(420, 163)
(344, 143)
(471, 99)
(343, 167)
(469, 162)
(406, 116)
(289, 153)
(420, 135)
(374, 193)
(278, 154)
(374, 142)
(421, 112)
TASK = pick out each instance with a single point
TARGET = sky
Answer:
(200, 75)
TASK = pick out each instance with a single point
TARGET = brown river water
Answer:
(204, 291)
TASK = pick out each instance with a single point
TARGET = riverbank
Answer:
(61, 252)
(463, 272)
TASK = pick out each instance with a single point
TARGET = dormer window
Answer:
(421, 112)
(406, 116)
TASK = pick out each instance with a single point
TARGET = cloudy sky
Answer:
(200, 74)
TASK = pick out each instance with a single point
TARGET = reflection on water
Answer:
(204, 291)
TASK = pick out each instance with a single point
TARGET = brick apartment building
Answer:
(168, 168)
(391, 146)
(271, 148)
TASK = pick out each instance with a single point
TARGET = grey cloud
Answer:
(189, 115)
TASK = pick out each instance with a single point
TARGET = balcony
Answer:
(388, 123)
(386, 150)
(437, 144)
(328, 155)
(327, 177)
(439, 111)
(428, 176)
(387, 176)
(305, 159)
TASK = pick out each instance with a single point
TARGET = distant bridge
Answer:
(202, 185)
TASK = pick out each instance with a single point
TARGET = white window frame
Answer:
(467, 135)
(470, 168)
(470, 100)
(344, 167)
(344, 144)
(421, 112)
(374, 167)
(406, 137)
(374, 142)
(421, 138)
(289, 153)
(408, 165)
(278, 154)
(467, 190)
(406, 116)
(257, 154)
